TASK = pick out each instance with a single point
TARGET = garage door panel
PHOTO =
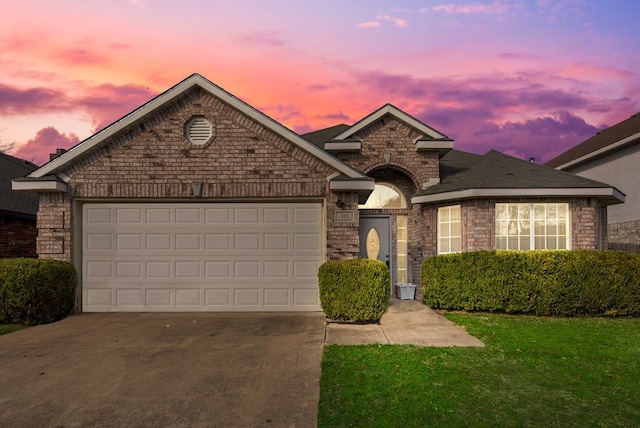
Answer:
(129, 215)
(220, 269)
(218, 298)
(188, 241)
(277, 216)
(247, 216)
(247, 242)
(159, 216)
(277, 297)
(277, 269)
(98, 216)
(218, 216)
(129, 242)
(158, 299)
(247, 297)
(305, 297)
(218, 241)
(306, 216)
(201, 257)
(188, 297)
(128, 297)
(188, 216)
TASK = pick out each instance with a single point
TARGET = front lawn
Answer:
(9, 328)
(533, 371)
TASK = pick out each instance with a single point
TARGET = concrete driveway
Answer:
(169, 370)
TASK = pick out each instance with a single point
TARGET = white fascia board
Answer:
(399, 114)
(180, 88)
(342, 146)
(485, 193)
(433, 145)
(39, 186)
(599, 152)
(352, 185)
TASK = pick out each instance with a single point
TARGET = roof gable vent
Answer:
(199, 130)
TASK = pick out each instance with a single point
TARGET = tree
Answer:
(6, 146)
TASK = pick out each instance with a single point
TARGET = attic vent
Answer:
(199, 130)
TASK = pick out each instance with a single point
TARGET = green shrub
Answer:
(36, 291)
(567, 283)
(354, 290)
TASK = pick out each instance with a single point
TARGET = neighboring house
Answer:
(612, 156)
(197, 201)
(17, 210)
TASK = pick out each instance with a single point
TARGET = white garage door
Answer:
(201, 257)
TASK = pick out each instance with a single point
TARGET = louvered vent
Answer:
(199, 130)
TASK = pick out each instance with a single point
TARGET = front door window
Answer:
(373, 244)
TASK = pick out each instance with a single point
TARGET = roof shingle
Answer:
(15, 202)
(602, 139)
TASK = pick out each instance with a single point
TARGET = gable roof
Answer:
(464, 175)
(614, 138)
(54, 167)
(427, 131)
(12, 203)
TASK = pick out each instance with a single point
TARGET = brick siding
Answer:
(627, 232)
(17, 237)
(246, 161)
(154, 161)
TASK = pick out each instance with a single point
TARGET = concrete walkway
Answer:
(406, 322)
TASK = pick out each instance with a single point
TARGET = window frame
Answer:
(453, 240)
(528, 226)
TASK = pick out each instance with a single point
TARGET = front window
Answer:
(449, 230)
(532, 226)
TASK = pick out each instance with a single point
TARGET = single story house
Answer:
(612, 156)
(17, 210)
(197, 201)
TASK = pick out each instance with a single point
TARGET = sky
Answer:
(528, 78)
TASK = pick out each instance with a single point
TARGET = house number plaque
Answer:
(344, 216)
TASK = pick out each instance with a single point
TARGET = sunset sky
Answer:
(528, 78)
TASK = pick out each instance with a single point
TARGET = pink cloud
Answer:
(46, 141)
(475, 111)
(381, 18)
(107, 103)
(369, 24)
(104, 103)
(261, 38)
(30, 101)
(495, 8)
(80, 57)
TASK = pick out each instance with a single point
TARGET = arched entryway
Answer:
(384, 226)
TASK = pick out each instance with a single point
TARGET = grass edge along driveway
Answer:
(533, 371)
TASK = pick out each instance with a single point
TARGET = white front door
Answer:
(201, 256)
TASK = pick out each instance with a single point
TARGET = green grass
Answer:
(10, 328)
(533, 371)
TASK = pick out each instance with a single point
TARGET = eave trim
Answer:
(38, 186)
(599, 152)
(192, 81)
(397, 113)
(596, 192)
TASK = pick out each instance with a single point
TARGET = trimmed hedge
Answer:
(550, 283)
(36, 291)
(354, 290)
